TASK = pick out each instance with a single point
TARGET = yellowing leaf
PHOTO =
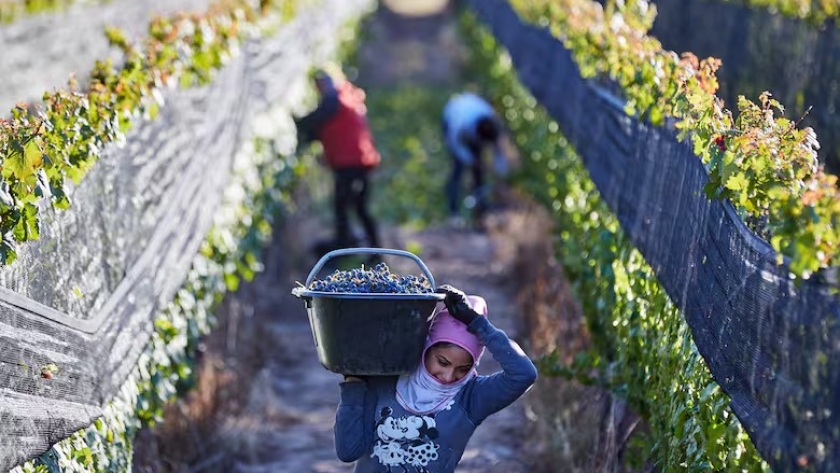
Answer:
(737, 182)
(24, 161)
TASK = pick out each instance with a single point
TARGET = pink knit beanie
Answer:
(446, 328)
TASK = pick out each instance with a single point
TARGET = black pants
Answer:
(453, 187)
(351, 192)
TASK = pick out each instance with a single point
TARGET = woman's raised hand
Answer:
(457, 304)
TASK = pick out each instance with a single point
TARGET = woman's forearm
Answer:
(493, 393)
(350, 427)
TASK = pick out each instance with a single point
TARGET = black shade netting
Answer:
(772, 346)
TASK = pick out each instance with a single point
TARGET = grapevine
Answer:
(814, 11)
(642, 348)
(761, 162)
(11, 10)
(42, 149)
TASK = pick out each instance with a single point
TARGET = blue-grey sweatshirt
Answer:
(375, 431)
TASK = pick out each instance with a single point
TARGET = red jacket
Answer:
(346, 138)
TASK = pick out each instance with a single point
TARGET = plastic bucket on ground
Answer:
(369, 334)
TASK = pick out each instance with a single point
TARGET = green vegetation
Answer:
(11, 10)
(815, 11)
(41, 150)
(761, 161)
(642, 347)
(641, 339)
(406, 125)
(230, 254)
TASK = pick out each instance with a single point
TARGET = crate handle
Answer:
(383, 251)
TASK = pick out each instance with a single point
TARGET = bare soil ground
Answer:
(265, 404)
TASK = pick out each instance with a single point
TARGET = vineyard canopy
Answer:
(771, 345)
(80, 301)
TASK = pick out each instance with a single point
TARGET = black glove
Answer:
(457, 304)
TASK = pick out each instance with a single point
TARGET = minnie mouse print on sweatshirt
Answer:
(421, 422)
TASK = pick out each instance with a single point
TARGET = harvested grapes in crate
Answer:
(369, 321)
(378, 280)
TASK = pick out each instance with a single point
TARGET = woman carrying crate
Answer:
(421, 422)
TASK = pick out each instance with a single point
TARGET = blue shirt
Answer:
(375, 431)
(461, 114)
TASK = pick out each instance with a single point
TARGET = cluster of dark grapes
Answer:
(378, 280)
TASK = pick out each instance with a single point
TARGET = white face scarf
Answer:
(422, 394)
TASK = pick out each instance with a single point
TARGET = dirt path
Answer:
(287, 422)
(264, 402)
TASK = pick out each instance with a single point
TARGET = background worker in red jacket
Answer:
(339, 122)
